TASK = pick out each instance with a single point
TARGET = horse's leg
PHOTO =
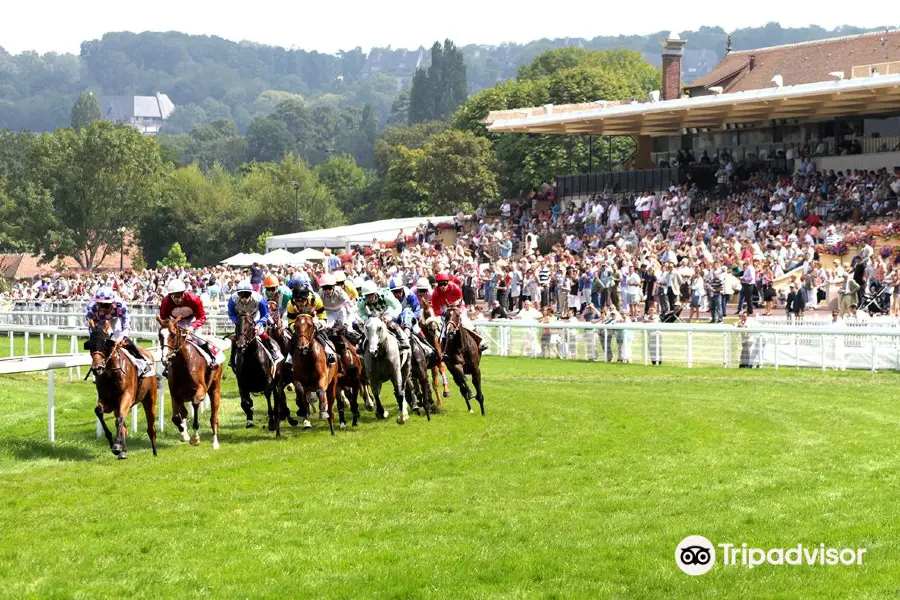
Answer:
(340, 404)
(456, 370)
(195, 439)
(98, 410)
(353, 396)
(302, 405)
(399, 393)
(446, 391)
(366, 387)
(149, 403)
(380, 412)
(426, 393)
(214, 391)
(476, 381)
(246, 405)
(179, 418)
(121, 431)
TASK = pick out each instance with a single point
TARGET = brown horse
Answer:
(311, 371)
(285, 381)
(462, 356)
(119, 388)
(430, 324)
(351, 380)
(190, 380)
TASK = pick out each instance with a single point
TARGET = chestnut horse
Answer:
(462, 356)
(119, 388)
(311, 371)
(190, 380)
(430, 324)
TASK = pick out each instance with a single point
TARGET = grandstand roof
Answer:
(824, 99)
(345, 236)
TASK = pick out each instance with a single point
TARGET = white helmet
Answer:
(244, 286)
(369, 287)
(176, 286)
(104, 295)
(358, 282)
(423, 284)
(396, 284)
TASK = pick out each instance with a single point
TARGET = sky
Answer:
(61, 25)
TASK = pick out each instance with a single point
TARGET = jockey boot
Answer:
(402, 340)
(231, 357)
(322, 336)
(274, 350)
(132, 348)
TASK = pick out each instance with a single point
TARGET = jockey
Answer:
(280, 295)
(304, 299)
(335, 301)
(244, 301)
(423, 291)
(379, 302)
(410, 309)
(447, 294)
(106, 308)
(340, 279)
(188, 309)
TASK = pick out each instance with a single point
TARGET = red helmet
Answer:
(442, 277)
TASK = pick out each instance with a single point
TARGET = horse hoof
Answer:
(289, 388)
(293, 422)
(370, 406)
(185, 437)
(307, 424)
(116, 449)
(215, 445)
(249, 425)
(123, 456)
(343, 426)
(195, 440)
(471, 412)
(446, 394)
(272, 425)
(383, 415)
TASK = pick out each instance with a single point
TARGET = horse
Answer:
(462, 357)
(351, 380)
(384, 362)
(256, 373)
(119, 388)
(311, 371)
(284, 382)
(190, 380)
(430, 324)
(417, 386)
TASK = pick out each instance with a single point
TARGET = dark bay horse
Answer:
(285, 379)
(351, 380)
(311, 372)
(462, 357)
(190, 381)
(418, 391)
(430, 324)
(256, 373)
(119, 388)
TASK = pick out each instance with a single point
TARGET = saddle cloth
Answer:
(426, 347)
(329, 350)
(143, 366)
(211, 360)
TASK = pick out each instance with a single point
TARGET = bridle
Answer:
(107, 359)
(178, 334)
(305, 339)
(244, 323)
(451, 323)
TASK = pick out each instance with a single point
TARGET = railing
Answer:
(216, 324)
(873, 348)
(574, 186)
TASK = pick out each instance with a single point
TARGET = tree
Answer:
(345, 181)
(85, 111)
(439, 90)
(87, 186)
(458, 171)
(368, 133)
(268, 139)
(392, 138)
(402, 194)
(174, 258)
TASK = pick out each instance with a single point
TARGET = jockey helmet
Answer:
(244, 286)
(299, 290)
(441, 277)
(368, 288)
(358, 283)
(176, 286)
(327, 280)
(396, 284)
(104, 295)
(339, 277)
(423, 284)
(271, 281)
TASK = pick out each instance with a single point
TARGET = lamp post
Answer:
(296, 186)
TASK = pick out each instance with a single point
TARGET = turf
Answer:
(579, 482)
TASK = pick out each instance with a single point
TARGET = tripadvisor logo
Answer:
(696, 555)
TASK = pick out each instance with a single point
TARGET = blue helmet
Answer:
(105, 295)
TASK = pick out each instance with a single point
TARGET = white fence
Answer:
(73, 361)
(144, 322)
(843, 347)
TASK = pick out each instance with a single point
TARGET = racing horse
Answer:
(119, 388)
(256, 372)
(430, 324)
(417, 387)
(462, 356)
(351, 380)
(285, 380)
(311, 371)
(190, 380)
(384, 362)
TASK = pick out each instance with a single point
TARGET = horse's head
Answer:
(244, 332)
(452, 321)
(305, 328)
(171, 337)
(376, 332)
(100, 345)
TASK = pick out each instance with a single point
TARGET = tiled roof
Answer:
(14, 266)
(806, 62)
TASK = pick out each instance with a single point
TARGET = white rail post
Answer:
(26, 345)
(874, 352)
(42, 345)
(690, 349)
(605, 345)
(55, 343)
(658, 347)
(12, 347)
(51, 407)
(775, 340)
(724, 350)
(822, 339)
(646, 349)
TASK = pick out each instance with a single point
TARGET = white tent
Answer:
(254, 257)
(280, 257)
(238, 260)
(308, 254)
(346, 236)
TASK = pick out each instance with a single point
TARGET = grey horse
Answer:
(385, 362)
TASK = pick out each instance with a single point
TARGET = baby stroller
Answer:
(674, 315)
(877, 300)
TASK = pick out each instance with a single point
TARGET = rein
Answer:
(305, 341)
(93, 370)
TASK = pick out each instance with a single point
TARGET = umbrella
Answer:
(238, 260)
(279, 257)
(310, 254)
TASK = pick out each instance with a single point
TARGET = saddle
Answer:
(144, 367)
(212, 360)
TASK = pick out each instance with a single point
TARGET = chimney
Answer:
(752, 61)
(673, 49)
